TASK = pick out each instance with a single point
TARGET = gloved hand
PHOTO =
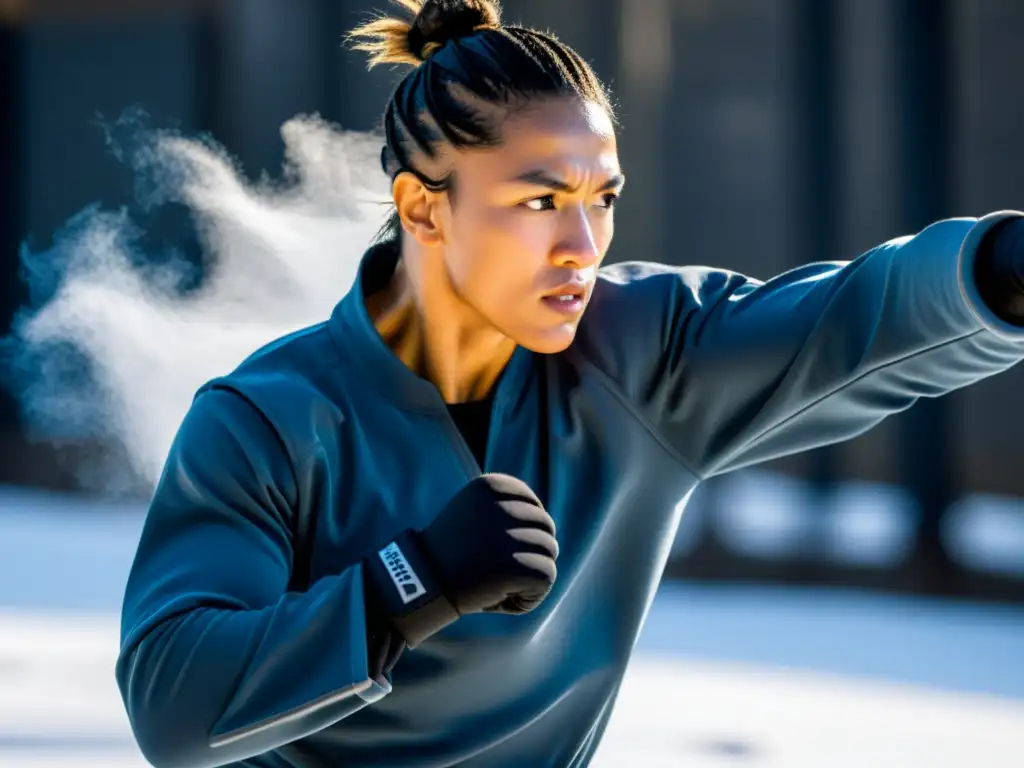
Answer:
(492, 549)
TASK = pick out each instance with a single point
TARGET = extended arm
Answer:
(742, 372)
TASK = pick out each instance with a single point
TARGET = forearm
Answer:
(213, 685)
(753, 371)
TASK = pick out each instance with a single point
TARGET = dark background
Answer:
(757, 135)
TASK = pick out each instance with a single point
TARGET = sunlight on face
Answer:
(531, 220)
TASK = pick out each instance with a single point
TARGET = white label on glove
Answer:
(406, 581)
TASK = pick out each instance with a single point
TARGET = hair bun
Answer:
(391, 40)
(440, 21)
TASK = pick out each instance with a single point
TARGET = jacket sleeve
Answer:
(219, 662)
(728, 372)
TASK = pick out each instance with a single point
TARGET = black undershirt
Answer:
(474, 423)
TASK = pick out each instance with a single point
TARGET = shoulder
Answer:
(226, 445)
(639, 284)
(296, 384)
(639, 308)
(642, 292)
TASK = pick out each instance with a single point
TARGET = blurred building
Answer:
(757, 134)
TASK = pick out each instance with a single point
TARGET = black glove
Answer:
(491, 549)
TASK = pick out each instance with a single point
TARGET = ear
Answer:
(418, 209)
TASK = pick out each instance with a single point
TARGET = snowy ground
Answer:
(723, 676)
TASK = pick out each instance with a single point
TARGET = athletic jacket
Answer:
(243, 628)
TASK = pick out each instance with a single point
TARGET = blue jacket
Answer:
(243, 631)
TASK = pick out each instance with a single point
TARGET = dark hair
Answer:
(461, 54)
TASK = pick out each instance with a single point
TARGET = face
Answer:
(531, 220)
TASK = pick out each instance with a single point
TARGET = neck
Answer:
(436, 334)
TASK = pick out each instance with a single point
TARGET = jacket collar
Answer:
(357, 338)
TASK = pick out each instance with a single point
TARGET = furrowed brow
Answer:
(545, 179)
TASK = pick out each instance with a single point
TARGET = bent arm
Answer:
(219, 662)
(745, 371)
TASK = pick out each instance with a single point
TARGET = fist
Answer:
(493, 547)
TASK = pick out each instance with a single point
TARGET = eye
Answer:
(610, 200)
(546, 203)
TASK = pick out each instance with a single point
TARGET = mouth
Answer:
(567, 299)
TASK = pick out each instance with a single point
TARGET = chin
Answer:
(550, 341)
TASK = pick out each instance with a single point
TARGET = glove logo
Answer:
(406, 581)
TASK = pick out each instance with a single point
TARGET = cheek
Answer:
(501, 246)
(528, 232)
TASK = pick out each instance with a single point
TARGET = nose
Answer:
(576, 248)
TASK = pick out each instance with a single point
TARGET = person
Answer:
(426, 531)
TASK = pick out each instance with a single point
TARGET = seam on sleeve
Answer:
(226, 387)
(293, 522)
(816, 402)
